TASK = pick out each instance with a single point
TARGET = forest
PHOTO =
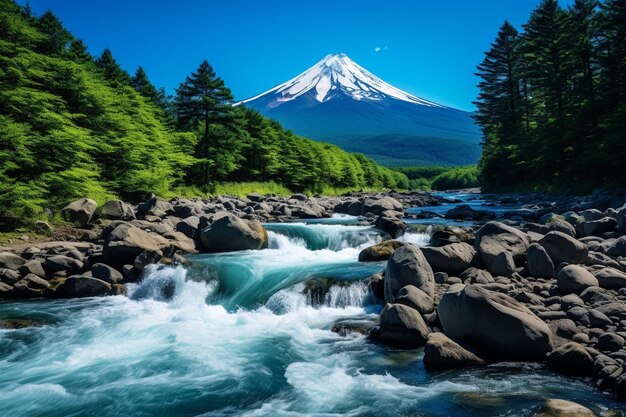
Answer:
(552, 103)
(74, 125)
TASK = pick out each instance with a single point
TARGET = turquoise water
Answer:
(243, 335)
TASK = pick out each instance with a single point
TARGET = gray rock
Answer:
(407, 266)
(564, 248)
(575, 279)
(106, 273)
(83, 286)
(610, 342)
(58, 263)
(451, 259)
(377, 205)
(30, 286)
(11, 261)
(230, 233)
(563, 408)
(413, 297)
(571, 359)
(503, 265)
(598, 227)
(441, 353)
(538, 262)
(495, 237)
(394, 226)
(617, 248)
(80, 211)
(611, 278)
(117, 210)
(401, 325)
(380, 251)
(34, 266)
(126, 242)
(494, 323)
(476, 276)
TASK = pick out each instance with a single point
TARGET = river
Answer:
(250, 334)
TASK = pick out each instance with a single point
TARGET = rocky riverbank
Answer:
(543, 281)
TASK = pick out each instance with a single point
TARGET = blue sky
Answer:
(428, 48)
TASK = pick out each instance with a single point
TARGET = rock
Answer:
(571, 359)
(611, 278)
(11, 261)
(407, 266)
(466, 212)
(451, 259)
(413, 297)
(230, 233)
(377, 205)
(476, 276)
(9, 276)
(156, 207)
(145, 258)
(393, 226)
(80, 211)
(106, 273)
(538, 262)
(563, 408)
(401, 325)
(379, 252)
(83, 286)
(117, 210)
(598, 319)
(615, 310)
(126, 242)
(563, 327)
(575, 279)
(503, 265)
(600, 226)
(563, 248)
(610, 342)
(494, 323)
(617, 248)
(189, 226)
(30, 286)
(441, 353)
(34, 266)
(58, 263)
(495, 237)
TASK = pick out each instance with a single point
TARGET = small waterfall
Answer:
(334, 237)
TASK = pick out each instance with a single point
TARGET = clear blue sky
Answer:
(428, 48)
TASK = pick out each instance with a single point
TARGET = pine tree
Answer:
(58, 38)
(498, 104)
(111, 70)
(78, 52)
(203, 100)
(143, 86)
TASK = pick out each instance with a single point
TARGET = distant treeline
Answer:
(428, 178)
(552, 103)
(72, 125)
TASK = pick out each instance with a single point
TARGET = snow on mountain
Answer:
(334, 75)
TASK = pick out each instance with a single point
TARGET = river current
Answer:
(251, 334)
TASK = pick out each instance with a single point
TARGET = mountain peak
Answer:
(337, 75)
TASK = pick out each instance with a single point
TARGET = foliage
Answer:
(552, 100)
(73, 126)
(426, 178)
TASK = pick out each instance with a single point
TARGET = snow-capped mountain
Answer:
(337, 99)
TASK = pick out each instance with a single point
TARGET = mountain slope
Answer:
(338, 98)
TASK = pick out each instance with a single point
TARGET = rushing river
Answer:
(249, 334)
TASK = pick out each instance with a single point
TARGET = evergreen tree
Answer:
(111, 70)
(77, 52)
(203, 100)
(143, 86)
(57, 37)
(498, 104)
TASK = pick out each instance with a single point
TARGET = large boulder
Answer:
(230, 233)
(466, 212)
(452, 259)
(494, 323)
(30, 286)
(394, 226)
(617, 248)
(575, 279)
(563, 408)
(380, 251)
(407, 266)
(106, 273)
(10, 260)
(564, 248)
(58, 263)
(441, 353)
(571, 359)
(401, 325)
(495, 237)
(538, 262)
(413, 297)
(611, 278)
(125, 242)
(379, 205)
(600, 226)
(82, 286)
(80, 211)
(117, 210)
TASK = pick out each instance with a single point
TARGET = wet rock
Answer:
(230, 233)
(451, 259)
(392, 225)
(571, 359)
(564, 248)
(145, 258)
(495, 237)
(407, 266)
(401, 325)
(575, 279)
(563, 408)
(83, 286)
(441, 353)
(379, 252)
(493, 323)
(80, 211)
(539, 263)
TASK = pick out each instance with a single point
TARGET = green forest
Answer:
(552, 103)
(73, 125)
